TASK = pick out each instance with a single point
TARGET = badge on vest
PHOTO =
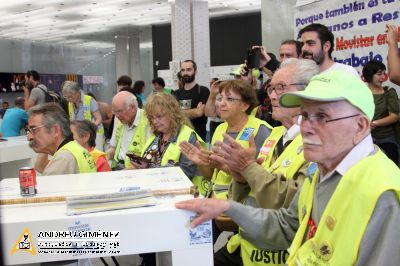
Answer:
(325, 251)
(312, 168)
(267, 147)
(134, 143)
(330, 222)
(286, 163)
(246, 133)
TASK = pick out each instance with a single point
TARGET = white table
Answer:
(158, 228)
(14, 154)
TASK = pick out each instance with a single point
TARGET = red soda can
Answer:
(27, 181)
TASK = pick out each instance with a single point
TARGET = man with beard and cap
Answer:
(49, 133)
(317, 44)
(193, 97)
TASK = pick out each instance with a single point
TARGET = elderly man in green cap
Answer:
(348, 211)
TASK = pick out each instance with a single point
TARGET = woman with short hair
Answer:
(84, 132)
(386, 109)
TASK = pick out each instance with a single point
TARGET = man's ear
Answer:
(56, 129)
(326, 46)
(363, 128)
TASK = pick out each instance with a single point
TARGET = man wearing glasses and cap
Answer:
(49, 133)
(347, 212)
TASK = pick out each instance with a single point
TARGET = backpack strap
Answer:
(45, 92)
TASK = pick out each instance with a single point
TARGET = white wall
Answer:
(279, 13)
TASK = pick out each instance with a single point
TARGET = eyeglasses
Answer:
(120, 111)
(280, 88)
(227, 99)
(156, 117)
(319, 119)
(32, 130)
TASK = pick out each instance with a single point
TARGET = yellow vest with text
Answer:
(86, 112)
(287, 164)
(83, 158)
(138, 140)
(346, 216)
(221, 180)
(172, 154)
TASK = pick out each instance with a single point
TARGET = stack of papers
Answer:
(106, 202)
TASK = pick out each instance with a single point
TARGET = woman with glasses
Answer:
(83, 107)
(386, 109)
(236, 100)
(169, 127)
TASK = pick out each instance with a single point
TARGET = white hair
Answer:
(304, 70)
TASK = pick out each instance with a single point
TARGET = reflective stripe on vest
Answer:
(221, 180)
(345, 219)
(83, 158)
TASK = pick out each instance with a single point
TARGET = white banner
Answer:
(93, 79)
(359, 27)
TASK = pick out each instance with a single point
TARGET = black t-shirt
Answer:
(189, 99)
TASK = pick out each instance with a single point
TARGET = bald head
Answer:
(124, 106)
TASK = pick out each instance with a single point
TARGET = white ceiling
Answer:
(94, 23)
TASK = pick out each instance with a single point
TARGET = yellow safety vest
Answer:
(83, 158)
(268, 148)
(221, 180)
(172, 154)
(138, 140)
(86, 112)
(254, 111)
(288, 165)
(346, 216)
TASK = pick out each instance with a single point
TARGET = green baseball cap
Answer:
(334, 86)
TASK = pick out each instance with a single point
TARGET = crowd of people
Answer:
(291, 167)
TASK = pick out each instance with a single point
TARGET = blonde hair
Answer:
(168, 106)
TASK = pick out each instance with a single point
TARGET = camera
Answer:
(253, 58)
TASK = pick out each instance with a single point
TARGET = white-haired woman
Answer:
(83, 107)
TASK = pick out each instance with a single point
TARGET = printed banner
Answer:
(359, 27)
